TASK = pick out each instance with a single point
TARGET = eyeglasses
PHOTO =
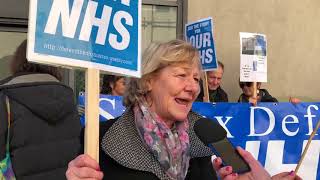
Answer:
(248, 84)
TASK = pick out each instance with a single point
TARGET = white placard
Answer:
(253, 57)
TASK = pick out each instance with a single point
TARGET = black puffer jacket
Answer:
(45, 129)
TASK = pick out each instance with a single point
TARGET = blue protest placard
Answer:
(98, 34)
(200, 35)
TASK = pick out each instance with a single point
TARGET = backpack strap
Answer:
(6, 170)
(9, 123)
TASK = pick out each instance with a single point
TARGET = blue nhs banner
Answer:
(200, 35)
(86, 33)
(110, 107)
(274, 133)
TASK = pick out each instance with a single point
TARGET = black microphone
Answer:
(215, 136)
(209, 131)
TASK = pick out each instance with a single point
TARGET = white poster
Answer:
(253, 57)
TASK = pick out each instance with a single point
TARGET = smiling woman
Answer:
(170, 82)
(154, 138)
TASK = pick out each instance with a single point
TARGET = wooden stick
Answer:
(205, 87)
(307, 147)
(255, 90)
(91, 139)
(255, 96)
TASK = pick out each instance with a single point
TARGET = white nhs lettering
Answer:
(202, 41)
(70, 20)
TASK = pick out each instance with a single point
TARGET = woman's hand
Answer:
(257, 171)
(253, 101)
(286, 176)
(294, 100)
(83, 167)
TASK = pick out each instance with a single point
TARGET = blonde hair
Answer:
(156, 57)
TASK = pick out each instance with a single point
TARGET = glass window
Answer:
(9, 42)
(159, 23)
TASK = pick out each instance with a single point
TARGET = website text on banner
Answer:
(91, 34)
(200, 35)
(274, 133)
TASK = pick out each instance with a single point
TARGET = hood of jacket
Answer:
(41, 94)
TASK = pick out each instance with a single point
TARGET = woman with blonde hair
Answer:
(154, 138)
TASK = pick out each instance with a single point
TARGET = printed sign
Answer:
(200, 35)
(84, 33)
(253, 55)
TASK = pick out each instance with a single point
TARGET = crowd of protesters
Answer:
(153, 139)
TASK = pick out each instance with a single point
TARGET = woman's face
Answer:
(173, 90)
(248, 90)
(119, 87)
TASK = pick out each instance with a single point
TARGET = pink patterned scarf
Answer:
(169, 146)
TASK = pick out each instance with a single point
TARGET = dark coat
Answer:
(124, 156)
(263, 95)
(218, 95)
(45, 128)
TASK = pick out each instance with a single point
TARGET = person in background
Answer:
(44, 131)
(216, 93)
(262, 94)
(113, 85)
(155, 138)
(248, 91)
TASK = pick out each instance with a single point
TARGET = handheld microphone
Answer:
(214, 135)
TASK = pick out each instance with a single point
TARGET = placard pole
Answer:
(205, 88)
(91, 139)
(307, 147)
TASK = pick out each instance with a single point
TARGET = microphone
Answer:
(209, 131)
(215, 136)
